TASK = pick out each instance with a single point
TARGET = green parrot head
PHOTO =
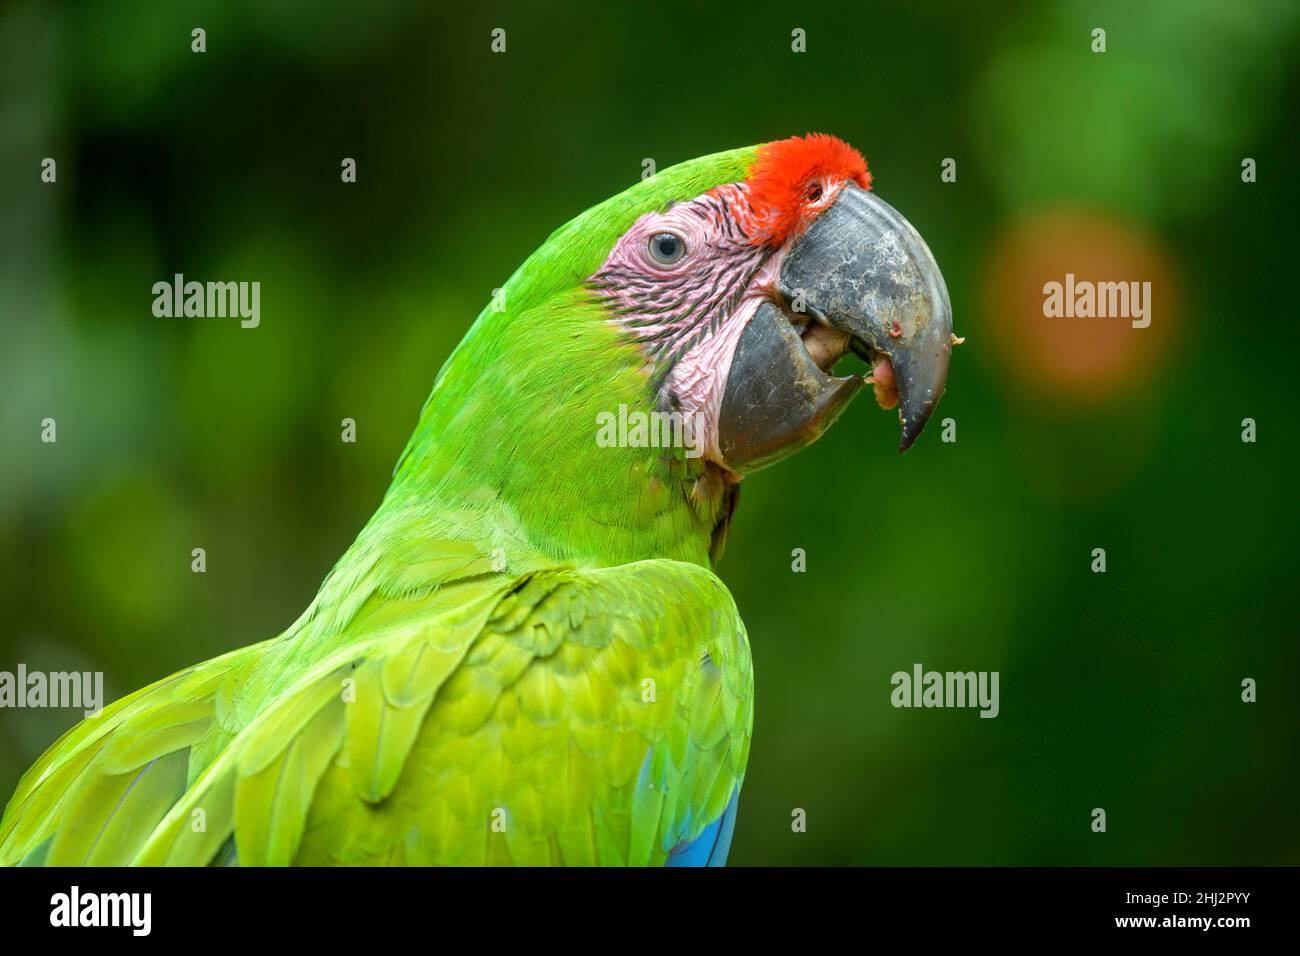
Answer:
(675, 338)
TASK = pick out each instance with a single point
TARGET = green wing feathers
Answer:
(99, 791)
(564, 716)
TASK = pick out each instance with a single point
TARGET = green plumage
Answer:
(524, 658)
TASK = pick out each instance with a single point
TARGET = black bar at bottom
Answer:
(654, 907)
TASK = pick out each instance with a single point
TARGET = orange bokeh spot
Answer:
(1075, 360)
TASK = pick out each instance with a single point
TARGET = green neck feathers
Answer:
(505, 453)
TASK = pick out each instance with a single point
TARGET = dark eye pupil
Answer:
(666, 248)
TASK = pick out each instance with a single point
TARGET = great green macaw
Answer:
(526, 657)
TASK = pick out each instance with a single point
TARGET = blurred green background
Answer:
(1118, 690)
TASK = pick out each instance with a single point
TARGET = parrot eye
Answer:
(666, 248)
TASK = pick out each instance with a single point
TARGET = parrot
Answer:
(526, 657)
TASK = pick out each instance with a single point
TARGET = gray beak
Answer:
(862, 270)
(869, 273)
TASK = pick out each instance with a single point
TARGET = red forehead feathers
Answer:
(783, 179)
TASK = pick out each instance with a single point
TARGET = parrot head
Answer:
(744, 297)
(723, 291)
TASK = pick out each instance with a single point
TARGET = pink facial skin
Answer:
(688, 315)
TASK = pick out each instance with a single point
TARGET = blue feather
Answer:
(711, 847)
